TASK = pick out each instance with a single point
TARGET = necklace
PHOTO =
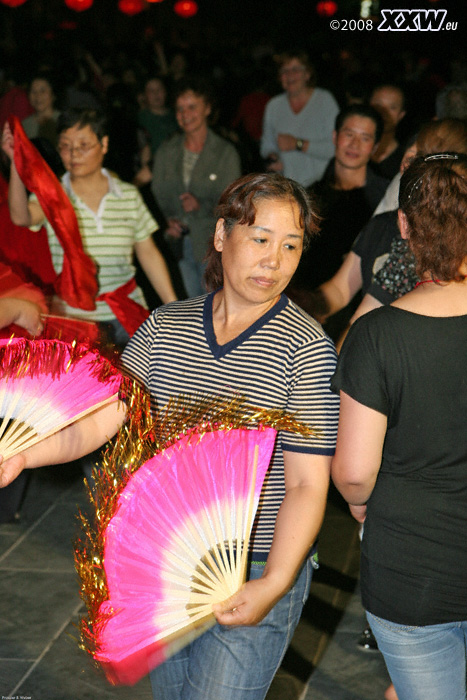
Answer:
(426, 282)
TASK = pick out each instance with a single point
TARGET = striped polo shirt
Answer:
(108, 238)
(284, 360)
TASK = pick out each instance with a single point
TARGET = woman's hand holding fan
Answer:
(171, 536)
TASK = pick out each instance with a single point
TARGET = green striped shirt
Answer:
(108, 238)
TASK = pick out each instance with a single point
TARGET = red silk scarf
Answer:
(77, 283)
(130, 314)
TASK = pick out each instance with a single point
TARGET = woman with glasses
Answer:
(298, 124)
(113, 221)
(401, 456)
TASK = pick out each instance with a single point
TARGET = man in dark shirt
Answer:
(347, 195)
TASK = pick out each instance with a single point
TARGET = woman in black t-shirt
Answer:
(401, 457)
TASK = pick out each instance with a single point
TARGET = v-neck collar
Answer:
(219, 351)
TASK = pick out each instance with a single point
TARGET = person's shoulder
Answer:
(276, 100)
(375, 180)
(122, 189)
(215, 140)
(377, 319)
(304, 326)
(325, 95)
(386, 217)
(219, 150)
(183, 307)
(122, 185)
(380, 225)
(172, 143)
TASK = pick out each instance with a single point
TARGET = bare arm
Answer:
(72, 442)
(360, 439)
(368, 303)
(155, 268)
(298, 522)
(340, 289)
(22, 212)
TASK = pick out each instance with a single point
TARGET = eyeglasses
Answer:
(292, 69)
(66, 149)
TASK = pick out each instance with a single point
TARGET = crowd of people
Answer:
(250, 280)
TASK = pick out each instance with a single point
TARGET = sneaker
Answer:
(366, 641)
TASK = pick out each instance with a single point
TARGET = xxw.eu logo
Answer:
(414, 21)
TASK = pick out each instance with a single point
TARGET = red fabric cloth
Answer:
(27, 255)
(130, 314)
(15, 101)
(77, 283)
(67, 329)
(11, 285)
(70, 329)
(250, 114)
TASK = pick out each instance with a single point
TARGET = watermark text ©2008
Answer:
(399, 21)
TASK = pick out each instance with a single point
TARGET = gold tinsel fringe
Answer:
(20, 357)
(140, 439)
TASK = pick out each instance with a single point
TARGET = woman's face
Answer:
(155, 94)
(41, 95)
(81, 151)
(259, 261)
(294, 76)
(192, 112)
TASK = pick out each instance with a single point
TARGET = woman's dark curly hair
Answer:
(237, 206)
(433, 197)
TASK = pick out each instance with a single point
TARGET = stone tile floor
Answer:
(40, 609)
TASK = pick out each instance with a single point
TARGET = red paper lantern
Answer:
(130, 7)
(154, 0)
(13, 3)
(186, 8)
(79, 5)
(326, 8)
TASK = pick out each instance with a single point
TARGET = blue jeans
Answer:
(234, 663)
(425, 663)
(191, 270)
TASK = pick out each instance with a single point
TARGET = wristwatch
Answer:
(299, 145)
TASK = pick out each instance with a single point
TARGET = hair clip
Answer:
(415, 187)
(441, 156)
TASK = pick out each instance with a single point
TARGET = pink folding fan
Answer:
(46, 385)
(178, 544)
(172, 539)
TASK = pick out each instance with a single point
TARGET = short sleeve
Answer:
(145, 225)
(136, 356)
(359, 371)
(37, 227)
(397, 276)
(311, 398)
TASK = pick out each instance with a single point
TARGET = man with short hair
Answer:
(347, 194)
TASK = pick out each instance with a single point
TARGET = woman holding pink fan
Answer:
(244, 336)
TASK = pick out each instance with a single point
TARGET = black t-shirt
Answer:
(373, 244)
(389, 166)
(344, 213)
(413, 369)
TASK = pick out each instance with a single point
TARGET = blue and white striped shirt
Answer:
(283, 361)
